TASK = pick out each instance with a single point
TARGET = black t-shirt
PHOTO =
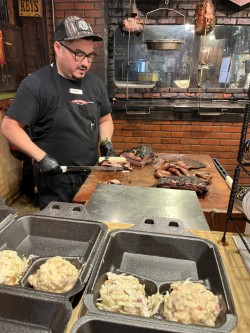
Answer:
(36, 99)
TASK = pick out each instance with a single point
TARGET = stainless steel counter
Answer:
(128, 204)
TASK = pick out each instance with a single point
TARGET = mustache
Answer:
(82, 67)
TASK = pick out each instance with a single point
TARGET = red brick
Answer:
(143, 133)
(65, 6)
(151, 127)
(84, 6)
(151, 140)
(132, 140)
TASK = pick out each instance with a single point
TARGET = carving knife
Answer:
(84, 168)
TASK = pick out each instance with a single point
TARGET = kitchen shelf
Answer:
(243, 166)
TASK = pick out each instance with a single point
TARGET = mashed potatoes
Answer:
(191, 303)
(12, 267)
(55, 275)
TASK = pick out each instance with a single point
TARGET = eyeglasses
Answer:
(80, 55)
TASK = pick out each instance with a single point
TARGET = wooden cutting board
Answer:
(214, 203)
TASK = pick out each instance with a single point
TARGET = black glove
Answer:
(106, 148)
(48, 166)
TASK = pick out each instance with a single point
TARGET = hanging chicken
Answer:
(204, 19)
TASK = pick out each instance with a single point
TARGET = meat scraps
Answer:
(184, 183)
(140, 155)
(113, 181)
(124, 164)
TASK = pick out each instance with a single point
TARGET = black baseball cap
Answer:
(73, 27)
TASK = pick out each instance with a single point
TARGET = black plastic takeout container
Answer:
(59, 230)
(158, 251)
(101, 324)
(28, 313)
(6, 213)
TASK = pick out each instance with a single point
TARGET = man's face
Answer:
(70, 65)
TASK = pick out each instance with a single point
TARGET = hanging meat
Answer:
(204, 19)
(132, 25)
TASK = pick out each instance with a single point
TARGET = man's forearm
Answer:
(18, 137)
(106, 128)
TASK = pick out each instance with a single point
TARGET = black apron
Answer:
(72, 140)
(73, 136)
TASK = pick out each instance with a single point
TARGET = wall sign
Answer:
(2, 55)
(30, 8)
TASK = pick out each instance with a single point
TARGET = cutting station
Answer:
(213, 203)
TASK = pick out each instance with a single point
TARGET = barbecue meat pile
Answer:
(140, 155)
(182, 161)
(170, 168)
(184, 183)
(183, 174)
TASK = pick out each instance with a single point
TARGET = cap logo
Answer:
(74, 27)
(83, 26)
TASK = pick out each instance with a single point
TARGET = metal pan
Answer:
(164, 44)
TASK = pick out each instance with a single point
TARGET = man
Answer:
(66, 111)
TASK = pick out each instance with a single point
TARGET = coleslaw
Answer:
(124, 294)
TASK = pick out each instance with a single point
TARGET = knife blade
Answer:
(82, 168)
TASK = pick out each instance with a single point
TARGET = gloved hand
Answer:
(106, 148)
(48, 166)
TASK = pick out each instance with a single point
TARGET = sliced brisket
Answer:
(140, 155)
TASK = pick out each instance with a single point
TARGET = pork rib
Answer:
(183, 183)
